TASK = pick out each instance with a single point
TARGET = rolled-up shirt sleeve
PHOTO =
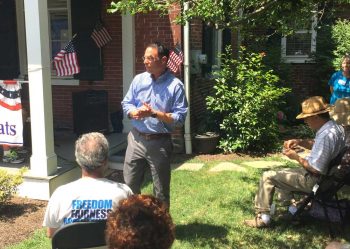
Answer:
(129, 102)
(180, 106)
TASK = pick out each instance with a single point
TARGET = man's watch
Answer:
(154, 115)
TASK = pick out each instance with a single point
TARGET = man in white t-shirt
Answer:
(91, 197)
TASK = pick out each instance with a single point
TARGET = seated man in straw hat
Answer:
(341, 114)
(329, 141)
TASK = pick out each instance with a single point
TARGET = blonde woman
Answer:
(341, 114)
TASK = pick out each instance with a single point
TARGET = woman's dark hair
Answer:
(140, 222)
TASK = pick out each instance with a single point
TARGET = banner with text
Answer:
(11, 125)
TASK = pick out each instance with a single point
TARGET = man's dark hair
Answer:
(162, 50)
(325, 116)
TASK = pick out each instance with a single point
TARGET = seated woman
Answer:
(140, 222)
(341, 114)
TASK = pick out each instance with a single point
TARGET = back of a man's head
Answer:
(91, 151)
(140, 222)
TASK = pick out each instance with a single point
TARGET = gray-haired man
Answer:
(91, 197)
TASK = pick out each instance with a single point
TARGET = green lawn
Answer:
(209, 208)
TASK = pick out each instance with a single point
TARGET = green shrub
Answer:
(246, 98)
(302, 131)
(341, 37)
(9, 184)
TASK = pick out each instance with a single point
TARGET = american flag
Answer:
(66, 61)
(176, 58)
(100, 35)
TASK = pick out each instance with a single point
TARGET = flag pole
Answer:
(187, 135)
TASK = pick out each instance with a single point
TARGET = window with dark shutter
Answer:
(9, 64)
(213, 43)
(85, 14)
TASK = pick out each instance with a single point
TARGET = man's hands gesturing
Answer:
(144, 111)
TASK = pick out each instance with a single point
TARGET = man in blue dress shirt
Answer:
(156, 104)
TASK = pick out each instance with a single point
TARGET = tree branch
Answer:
(254, 13)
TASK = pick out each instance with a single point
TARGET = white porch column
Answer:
(43, 161)
(128, 48)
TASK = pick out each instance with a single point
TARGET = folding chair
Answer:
(80, 235)
(325, 191)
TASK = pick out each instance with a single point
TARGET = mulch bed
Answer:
(19, 218)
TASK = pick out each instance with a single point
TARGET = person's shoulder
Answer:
(338, 73)
(142, 75)
(332, 129)
(65, 188)
(141, 78)
(69, 185)
(333, 123)
(117, 185)
(330, 124)
(171, 75)
(174, 80)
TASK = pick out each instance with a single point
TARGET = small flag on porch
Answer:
(11, 125)
(100, 35)
(66, 61)
(176, 58)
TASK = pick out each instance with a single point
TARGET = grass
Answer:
(209, 208)
(38, 241)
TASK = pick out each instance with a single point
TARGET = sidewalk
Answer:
(115, 171)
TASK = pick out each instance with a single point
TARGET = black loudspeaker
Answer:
(90, 111)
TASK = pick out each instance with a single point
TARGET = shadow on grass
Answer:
(274, 241)
(201, 234)
(282, 234)
(309, 233)
(316, 226)
(181, 158)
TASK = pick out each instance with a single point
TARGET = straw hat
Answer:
(341, 111)
(313, 106)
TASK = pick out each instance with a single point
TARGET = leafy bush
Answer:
(9, 184)
(246, 97)
(302, 131)
(208, 123)
(341, 36)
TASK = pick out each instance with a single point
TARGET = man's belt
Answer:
(151, 136)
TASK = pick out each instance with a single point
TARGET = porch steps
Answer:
(116, 162)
